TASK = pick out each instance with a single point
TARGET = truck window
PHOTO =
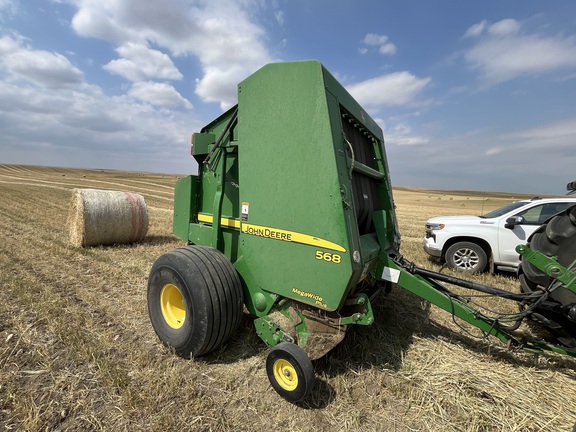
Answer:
(539, 214)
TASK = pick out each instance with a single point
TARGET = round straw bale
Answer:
(103, 217)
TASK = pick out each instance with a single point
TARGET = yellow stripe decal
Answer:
(230, 223)
(273, 233)
(289, 236)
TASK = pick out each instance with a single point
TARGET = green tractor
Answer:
(292, 216)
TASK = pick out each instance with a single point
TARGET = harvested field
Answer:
(77, 351)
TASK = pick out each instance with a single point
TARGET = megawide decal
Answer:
(289, 236)
(317, 299)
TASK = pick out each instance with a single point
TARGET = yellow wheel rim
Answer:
(172, 305)
(285, 374)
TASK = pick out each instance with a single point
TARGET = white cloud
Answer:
(9, 45)
(387, 49)
(159, 94)
(494, 151)
(62, 120)
(373, 39)
(506, 27)
(82, 127)
(279, 15)
(503, 52)
(8, 7)
(476, 30)
(211, 89)
(541, 155)
(402, 134)
(399, 88)
(536, 160)
(381, 42)
(40, 67)
(140, 62)
(220, 33)
(560, 134)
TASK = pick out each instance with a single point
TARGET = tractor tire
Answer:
(194, 300)
(556, 238)
(466, 257)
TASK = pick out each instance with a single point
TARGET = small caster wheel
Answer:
(290, 371)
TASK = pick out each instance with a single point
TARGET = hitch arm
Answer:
(550, 266)
(425, 287)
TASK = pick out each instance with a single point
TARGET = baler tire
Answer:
(290, 371)
(194, 300)
(459, 255)
(556, 238)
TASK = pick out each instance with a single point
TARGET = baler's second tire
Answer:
(194, 300)
(556, 238)
(290, 371)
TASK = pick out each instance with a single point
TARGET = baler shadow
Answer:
(398, 317)
(322, 395)
(498, 350)
(155, 240)
(244, 344)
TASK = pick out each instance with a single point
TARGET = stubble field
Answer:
(77, 351)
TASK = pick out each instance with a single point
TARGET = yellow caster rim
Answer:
(285, 374)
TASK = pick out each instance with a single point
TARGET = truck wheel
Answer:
(290, 371)
(466, 257)
(194, 300)
(556, 238)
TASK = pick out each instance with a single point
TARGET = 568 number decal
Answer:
(328, 257)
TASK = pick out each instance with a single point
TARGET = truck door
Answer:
(532, 218)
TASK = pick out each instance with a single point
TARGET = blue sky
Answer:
(470, 95)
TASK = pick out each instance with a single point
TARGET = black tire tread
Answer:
(217, 296)
(556, 238)
(217, 286)
(560, 228)
(470, 245)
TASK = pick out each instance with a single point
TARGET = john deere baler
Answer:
(291, 214)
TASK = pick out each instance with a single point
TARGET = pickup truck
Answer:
(470, 243)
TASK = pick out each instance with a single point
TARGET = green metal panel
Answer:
(202, 144)
(278, 184)
(290, 186)
(184, 205)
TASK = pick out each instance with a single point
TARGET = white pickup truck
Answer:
(470, 243)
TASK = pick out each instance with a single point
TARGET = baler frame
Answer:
(241, 244)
